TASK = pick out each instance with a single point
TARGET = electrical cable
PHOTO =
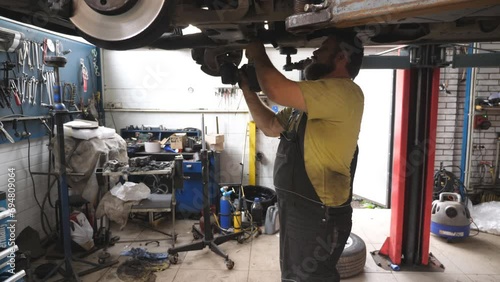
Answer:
(481, 172)
(477, 228)
(441, 178)
(47, 197)
(247, 232)
(456, 166)
(43, 215)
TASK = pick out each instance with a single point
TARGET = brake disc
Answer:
(122, 24)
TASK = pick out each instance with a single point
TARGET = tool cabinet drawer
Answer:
(191, 167)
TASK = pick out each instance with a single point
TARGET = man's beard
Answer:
(315, 71)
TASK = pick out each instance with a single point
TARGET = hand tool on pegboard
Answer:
(15, 91)
(10, 40)
(5, 91)
(6, 134)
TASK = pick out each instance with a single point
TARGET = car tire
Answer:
(353, 258)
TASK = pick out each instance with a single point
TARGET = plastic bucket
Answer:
(152, 147)
(267, 196)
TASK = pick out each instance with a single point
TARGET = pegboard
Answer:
(30, 112)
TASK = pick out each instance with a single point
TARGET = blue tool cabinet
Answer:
(190, 198)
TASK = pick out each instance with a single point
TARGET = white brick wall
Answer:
(16, 156)
(450, 120)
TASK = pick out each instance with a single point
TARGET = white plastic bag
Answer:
(82, 232)
(486, 217)
(105, 132)
(131, 191)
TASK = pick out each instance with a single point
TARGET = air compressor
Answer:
(450, 218)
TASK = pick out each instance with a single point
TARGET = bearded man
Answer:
(314, 166)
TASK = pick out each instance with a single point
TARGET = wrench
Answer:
(11, 140)
(35, 90)
(24, 84)
(28, 54)
(34, 53)
(49, 88)
(52, 83)
(28, 91)
(48, 81)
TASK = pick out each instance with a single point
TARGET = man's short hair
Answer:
(353, 49)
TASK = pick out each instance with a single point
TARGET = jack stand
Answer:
(60, 111)
(208, 238)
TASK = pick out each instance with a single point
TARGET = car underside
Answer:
(227, 25)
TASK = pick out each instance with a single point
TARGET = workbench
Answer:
(189, 199)
(155, 203)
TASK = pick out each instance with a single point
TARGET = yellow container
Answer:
(237, 221)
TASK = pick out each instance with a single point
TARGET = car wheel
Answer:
(353, 258)
(120, 24)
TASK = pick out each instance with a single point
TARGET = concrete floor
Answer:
(474, 259)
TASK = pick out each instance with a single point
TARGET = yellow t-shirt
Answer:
(334, 112)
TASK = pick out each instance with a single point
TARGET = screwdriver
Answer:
(14, 90)
(16, 98)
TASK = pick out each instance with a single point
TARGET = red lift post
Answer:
(416, 104)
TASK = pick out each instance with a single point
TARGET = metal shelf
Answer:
(487, 109)
(146, 172)
(164, 153)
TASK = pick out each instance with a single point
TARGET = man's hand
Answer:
(255, 50)
(243, 81)
(304, 63)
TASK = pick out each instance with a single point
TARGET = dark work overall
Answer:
(312, 235)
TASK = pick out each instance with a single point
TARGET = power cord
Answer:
(445, 181)
(477, 228)
(43, 215)
(248, 233)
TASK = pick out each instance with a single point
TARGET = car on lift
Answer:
(227, 25)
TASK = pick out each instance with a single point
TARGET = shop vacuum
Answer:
(450, 218)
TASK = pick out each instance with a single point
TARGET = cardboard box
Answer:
(178, 141)
(214, 139)
(217, 147)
